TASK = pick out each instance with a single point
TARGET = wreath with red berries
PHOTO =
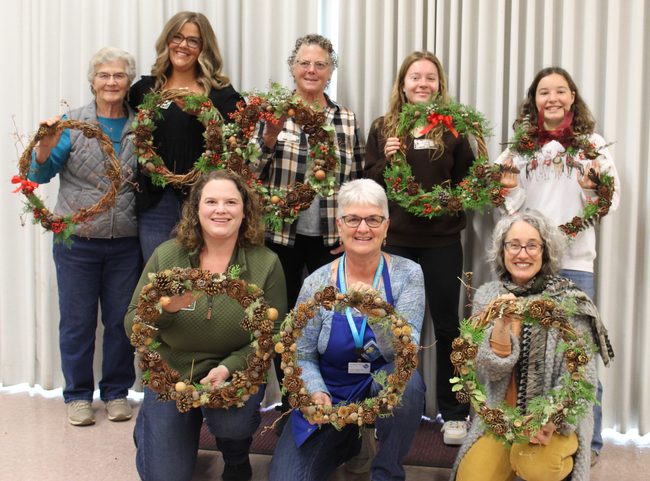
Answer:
(342, 414)
(564, 405)
(63, 226)
(481, 187)
(259, 320)
(526, 143)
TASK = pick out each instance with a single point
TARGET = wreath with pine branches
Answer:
(259, 320)
(564, 405)
(526, 144)
(393, 385)
(481, 187)
(63, 226)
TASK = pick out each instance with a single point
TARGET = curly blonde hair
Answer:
(583, 120)
(189, 233)
(209, 63)
(398, 99)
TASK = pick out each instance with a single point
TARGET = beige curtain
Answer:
(490, 50)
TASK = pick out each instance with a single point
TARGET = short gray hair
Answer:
(363, 192)
(108, 55)
(322, 42)
(552, 238)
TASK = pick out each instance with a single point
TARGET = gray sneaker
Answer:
(118, 410)
(80, 413)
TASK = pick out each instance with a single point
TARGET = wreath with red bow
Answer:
(481, 187)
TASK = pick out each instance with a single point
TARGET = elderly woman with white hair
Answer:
(104, 263)
(334, 341)
(521, 361)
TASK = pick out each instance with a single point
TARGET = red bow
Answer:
(434, 118)
(563, 134)
(24, 185)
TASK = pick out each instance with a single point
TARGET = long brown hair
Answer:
(209, 63)
(583, 120)
(398, 98)
(251, 232)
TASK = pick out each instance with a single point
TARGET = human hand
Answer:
(508, 179)
(543, 437)
(392, 146)
(216, 376)
(176, 303)
(320, 398)
(272, 130)
(181, 105)
(584, 180)
(47, 143)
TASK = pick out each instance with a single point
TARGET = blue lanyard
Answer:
(358, 337)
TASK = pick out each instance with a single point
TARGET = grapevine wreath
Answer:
(564, 405)
(526, 143)
(63, 226)
(260, 319)
(342, 414)
(482, 185)
(228, 146)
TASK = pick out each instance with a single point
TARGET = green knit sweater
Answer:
(188, 335)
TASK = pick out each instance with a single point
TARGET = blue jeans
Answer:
(168, 440)
(96, 272)
(325, 450)
(585, 281)
(155, 224)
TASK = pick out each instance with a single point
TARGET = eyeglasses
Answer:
(372, 221)
(105, 76)
(531, 249)
(305, 64)
(192, 42)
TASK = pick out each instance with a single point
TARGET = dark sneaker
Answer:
(239, 472)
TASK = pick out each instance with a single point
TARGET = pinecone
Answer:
(479, 171)
(184, 403)
(559, 314)
(499, 429)
(162, 281)
(238, 380)
(443, 197)
(558, 419)
(247, 324)
(212, 289)
(178, 274)
(266, 325)
(462, 396)
(458, 343)
(164, 396)
(137, 339)
(177, 289)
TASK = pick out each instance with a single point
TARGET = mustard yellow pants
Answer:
(489, 460)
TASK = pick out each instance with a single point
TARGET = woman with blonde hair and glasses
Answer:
(189, 58)
(433, 243)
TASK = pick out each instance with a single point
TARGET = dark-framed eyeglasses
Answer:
(192, 42)
(305, 64)
(515, 248)
(372, 221)
(105, 76)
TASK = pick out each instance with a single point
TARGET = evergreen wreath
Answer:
(479, 188)
(526, 143)
(342, 414)
(559, 406)
(260, 320)
(63, 225)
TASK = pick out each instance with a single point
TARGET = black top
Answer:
(178, 138)
(409, 230)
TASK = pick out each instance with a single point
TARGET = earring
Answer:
(383, 244)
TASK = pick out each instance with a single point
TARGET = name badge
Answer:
(191, 307)
(424, 144)
(358, 368)
(165, 105)
(288, 137)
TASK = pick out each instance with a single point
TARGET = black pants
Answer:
(442, 267)
(309, 252)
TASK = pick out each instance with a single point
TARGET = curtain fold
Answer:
(490, 51)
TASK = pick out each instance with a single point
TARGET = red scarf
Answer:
(563, 134)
